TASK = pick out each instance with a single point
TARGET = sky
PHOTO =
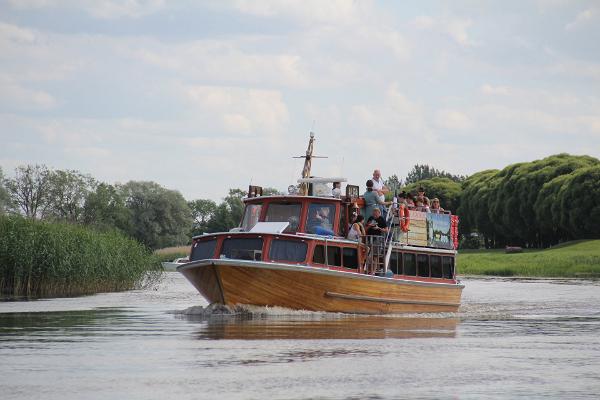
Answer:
(206, 96)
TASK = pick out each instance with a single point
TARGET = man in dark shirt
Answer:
(376, 223)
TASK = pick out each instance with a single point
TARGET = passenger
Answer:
(426, 205)
(372, 199)
(421, 194)
(336, 191)
(319, 222)
(357, 230)
(410, 202)
(419, 205)
(435, 206)
(402, 198)
(314, 220)
(376, 225)
(380, 188)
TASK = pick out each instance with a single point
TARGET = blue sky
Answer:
(206, 96)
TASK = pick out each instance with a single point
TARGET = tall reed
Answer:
(44, 259)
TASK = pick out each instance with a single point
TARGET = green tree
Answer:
(105, 209)
(393, 183)
(269, 191)
(66, 195)
(202, 211)
(229, 213)
(159, 217)
(422, 172)
(580, 203)
(477, 192)
(512, 210)
(4, 197)
(29, 188)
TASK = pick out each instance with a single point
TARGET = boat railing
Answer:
(376, 253)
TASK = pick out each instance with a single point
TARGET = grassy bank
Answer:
(580, 259)
(171, 253)
(43, 259)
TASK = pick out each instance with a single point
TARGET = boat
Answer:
(291, 251)
(172, 265)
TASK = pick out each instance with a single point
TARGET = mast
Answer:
(307, 165)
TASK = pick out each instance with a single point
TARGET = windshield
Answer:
(320, 219)
(285, 212)
(251, 215)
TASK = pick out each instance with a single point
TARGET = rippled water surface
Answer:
(511, 339)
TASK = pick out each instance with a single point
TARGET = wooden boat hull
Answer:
(234, 282)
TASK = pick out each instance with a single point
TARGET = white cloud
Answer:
(13, 95)
(240, 110)
(102, 9)
(584, 18)
(494, 90)
(308, 11)
(453, 27)
(453, 120)
(13, 33)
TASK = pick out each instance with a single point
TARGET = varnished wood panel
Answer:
(308, 290)
(206, 281)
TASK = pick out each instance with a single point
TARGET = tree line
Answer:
(535, 204)
(155, 216)
(532, 204)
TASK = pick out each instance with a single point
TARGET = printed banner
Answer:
(439, 232)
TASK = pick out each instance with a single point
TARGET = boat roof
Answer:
(299, 198)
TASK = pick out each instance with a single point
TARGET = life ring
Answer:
(404, 215)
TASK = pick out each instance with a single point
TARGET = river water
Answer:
(511, 339)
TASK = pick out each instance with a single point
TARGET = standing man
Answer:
(380, 188)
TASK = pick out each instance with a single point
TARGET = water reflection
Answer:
(346, 327)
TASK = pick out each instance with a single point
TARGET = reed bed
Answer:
(580, 259)
(171, 253)
(41, 259)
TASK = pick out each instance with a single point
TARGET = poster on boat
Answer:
(439, 231)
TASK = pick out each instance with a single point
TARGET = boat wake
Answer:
(247, 311)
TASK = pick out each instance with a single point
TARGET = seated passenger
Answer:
(435, 206)
(319, 222)
(357, 230)
(376, 225)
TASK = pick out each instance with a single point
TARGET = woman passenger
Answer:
(435, 206)
(357, 230)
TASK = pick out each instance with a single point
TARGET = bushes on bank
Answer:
(56, 259)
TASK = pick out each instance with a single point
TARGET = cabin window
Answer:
(423, 265)
(350, 257)
(320, 219)
(242, 248)
(285, 212)
(319, 255)
(251, 215)
(410, 264)
(334, 256)
(201, 250)
(436, 266)
(288, 250)
(448, 267)
(396, 262)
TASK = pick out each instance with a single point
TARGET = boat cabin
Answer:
(313, 234)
